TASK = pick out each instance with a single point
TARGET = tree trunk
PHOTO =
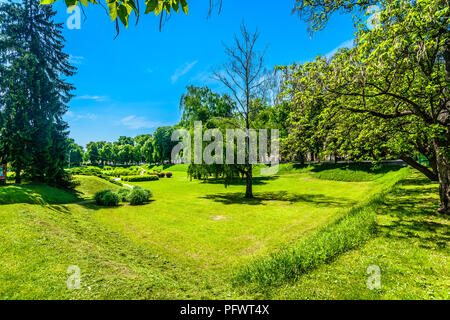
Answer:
(427, 172)
(18, 176)
(433, 164)
(441, 146)
(249, 187)
(443, 168)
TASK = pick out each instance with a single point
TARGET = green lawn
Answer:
(194, 236)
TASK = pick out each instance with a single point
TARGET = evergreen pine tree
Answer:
(34, 91)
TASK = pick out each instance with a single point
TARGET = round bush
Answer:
(107, 198)
(169, 174)
(139, 196)
(123, 193)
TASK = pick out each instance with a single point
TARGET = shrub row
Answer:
(93, 171)
(85, 171)
(161, 174)
(109, 179)
(135, 196)
(120, 172)
(140, 178)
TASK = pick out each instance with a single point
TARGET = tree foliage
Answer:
(34, 92)
(388, 95)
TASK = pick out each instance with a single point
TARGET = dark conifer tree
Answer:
(34, 91)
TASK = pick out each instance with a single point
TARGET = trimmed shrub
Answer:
(107, 198)
(123, 193)
(169, 174)
(161, 174)
(85, 171)
(140, 178)
(119, 172)
(139, 196)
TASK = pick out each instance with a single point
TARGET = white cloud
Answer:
(75, 59)
(346, 44)
(89, 97)
(182, 71)
(78, 116)
(134, 122)
(204, 78)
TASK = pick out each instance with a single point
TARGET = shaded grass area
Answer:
(354, 172)
(35, 194)
(264, 198)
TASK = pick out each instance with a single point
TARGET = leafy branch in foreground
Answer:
(122, 9)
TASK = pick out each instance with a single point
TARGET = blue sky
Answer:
(133, 84)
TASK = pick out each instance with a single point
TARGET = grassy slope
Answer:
(41, 241)
(34, 194)
(410, 247)
(90, 185)
(171, 248)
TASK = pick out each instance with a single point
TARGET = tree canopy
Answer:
(388, 95)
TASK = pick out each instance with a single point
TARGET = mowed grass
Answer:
(208, 226)
(187, 243)
(35, 194)
(410, 246)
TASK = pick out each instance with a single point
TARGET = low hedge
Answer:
(140, 178)
(169, 174)
(119, 172)
(85, 171)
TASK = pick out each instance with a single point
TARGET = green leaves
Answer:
(70, 3)
(122, 9)
(151, 6)
(184, 6)
(122, 12)
(112, 10)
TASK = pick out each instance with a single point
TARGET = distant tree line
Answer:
(197, 104)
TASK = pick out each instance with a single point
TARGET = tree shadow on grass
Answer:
(264, 198)
(366, 167)
(52, 198)
(241, 182)
(412, 210)
(37, 194)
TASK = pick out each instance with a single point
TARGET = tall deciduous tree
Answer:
(201, 104)
(244, 75)
(396, 79)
